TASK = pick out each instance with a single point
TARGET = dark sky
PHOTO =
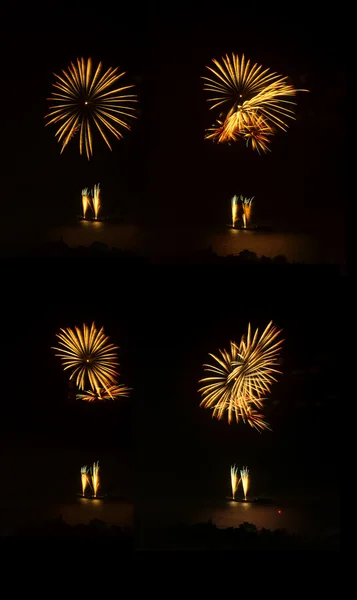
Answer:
(163, 168)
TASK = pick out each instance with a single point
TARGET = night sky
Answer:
(163, 169)
(167, 320)
(165, 334)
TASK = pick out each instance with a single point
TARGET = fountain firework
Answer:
(245, 481)
(234, 480)
(96, 200)
(86, 201)
(247, 210)
(95, 478)
(84, 479)
(235, 209)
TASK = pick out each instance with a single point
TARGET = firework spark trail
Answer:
(86, 201)
(89, 356)
(83, 100)
(242, 377)
(84, 479)
(95, 478)
(257, 101)
(258, 133)
(96, 200)
(235, 210)
(111, 393)
(244, 474)
(234, 480)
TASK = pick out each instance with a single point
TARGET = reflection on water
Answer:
(166, 241)
(84, 510)
(232, 514)
(304, 516)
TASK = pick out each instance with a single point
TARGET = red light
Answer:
(279, 512)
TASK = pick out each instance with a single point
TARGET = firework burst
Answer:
(242, 377)
(111, 393)
(89, 356)
(257, 101)
(83, 100)
(258, 134)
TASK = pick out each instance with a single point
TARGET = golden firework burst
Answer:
(257, 101)
(258, 134)
(82, 100)
(242, 377)
(89, 356)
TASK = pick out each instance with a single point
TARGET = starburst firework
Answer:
(242, 377)
(83, 100)
(257, 101)
(89, 356)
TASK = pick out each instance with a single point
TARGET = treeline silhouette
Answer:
(246, 537)
(181, 537)
(100, 250)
